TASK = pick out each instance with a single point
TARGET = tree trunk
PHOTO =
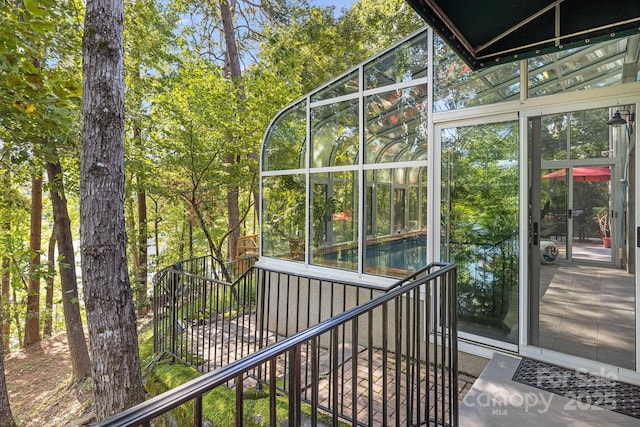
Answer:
(156, 232)
(233, 70)
(233, 212)
(130, 221)
(143, 227)
(6, 418)
(190, 227)
(111, 317)
(143, 236)
(5, 306)
(78, 351)
(16, 318)
(32, 321)
(51, 255)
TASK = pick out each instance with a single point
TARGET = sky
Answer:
(339, 4)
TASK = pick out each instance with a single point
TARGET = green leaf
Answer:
(33, 7)
(41, 27)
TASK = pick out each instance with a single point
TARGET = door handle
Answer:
(569, 213)
(536, 234)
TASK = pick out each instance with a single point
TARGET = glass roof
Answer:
(395, 119)
(408, 61)
(577, 69)
(345, 86)
(457, 86)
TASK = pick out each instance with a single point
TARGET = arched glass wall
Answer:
(344, 170)
(345, 185)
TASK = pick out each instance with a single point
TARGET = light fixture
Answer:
(618, 120)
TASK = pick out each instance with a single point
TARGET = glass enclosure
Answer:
(510, 172)
(359, 202)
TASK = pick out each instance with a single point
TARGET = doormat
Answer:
(580, 386)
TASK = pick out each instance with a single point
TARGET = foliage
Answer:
(39, 113)
(604, 223)
(318, 45)
(481, 213)
(218, 405)
(183, 116)
(482, 182)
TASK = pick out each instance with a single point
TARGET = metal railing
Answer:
(208, 323)
(391, 360)
(193, 303)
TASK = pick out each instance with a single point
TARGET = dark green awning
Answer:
(492, 32)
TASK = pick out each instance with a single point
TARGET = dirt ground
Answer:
(38, 382)
(39, 385)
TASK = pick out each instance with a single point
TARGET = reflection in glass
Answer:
(577, 69)
(575, 135)
(284, 146)
(334, 220)
(589, 138)
(395, 214)
(334, 134)
(345, 86)
(396, 124)
(283, 217)
(404, 63)
(456, 86)
(480, 225)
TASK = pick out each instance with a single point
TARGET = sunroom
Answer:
(412, 157)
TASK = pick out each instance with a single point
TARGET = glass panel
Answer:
(283, 216)
(589, 137)
(576, 135)
(555, 138)
(396, 124)
(480, 225)
(383, 208)
(582, 274)
(395, 215)
(334, 220)
(554, 199)
(284, 146)
(334, 134)
(406, 62)
(345, 86)
(456, 86)
(577, 69)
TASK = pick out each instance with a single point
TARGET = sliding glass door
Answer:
(479, 225)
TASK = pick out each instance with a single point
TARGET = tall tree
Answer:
(47, 324)
(32, 321)
(233, 70)
(111, 318)
(80, 362)
(5, 307)
(226, 33)
(6, 418)
(149, 55)
(39, 50)
(143, 237)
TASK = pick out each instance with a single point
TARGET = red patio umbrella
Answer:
(585, 174)
(342, 216)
